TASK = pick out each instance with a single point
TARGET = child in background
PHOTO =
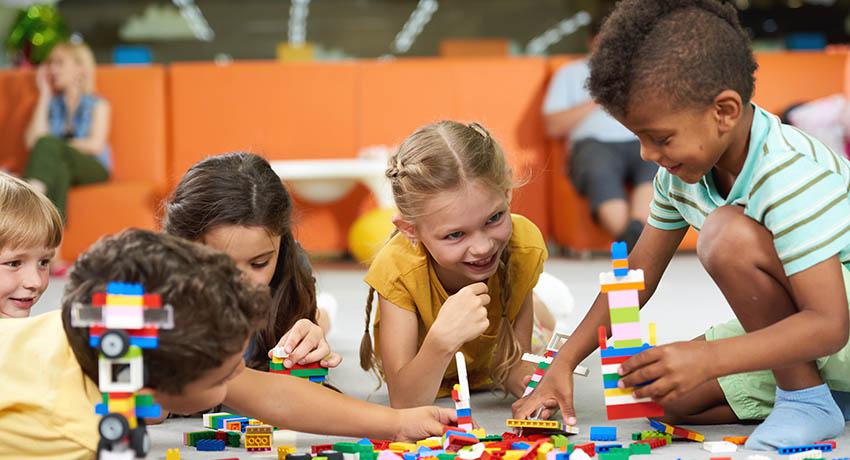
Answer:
(772, 207)
(48, 390)
(458, 275)
(237, 204)
(30, 232)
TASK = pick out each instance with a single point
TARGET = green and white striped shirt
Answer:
(791, 183)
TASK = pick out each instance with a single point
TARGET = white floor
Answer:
(684, 305)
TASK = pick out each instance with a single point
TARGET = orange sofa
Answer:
(782, 79)
(138, 140)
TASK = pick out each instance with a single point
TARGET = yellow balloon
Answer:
(370, 232)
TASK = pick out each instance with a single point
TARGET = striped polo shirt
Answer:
(791, 183)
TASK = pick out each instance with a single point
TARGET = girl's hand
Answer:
(305, 343)
(463, 317)
(423, 422)
(42, 82)
(673, 369)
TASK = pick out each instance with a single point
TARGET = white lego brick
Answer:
(462, 404)
(130, 382)
(581, 370)
(719, 447)
(625, 399)
(277, 352)
(354, 456)
(579, 454)
(207, 418)
(608, 278)
(571, 429)
(757, 457)
(610, 369)
(460, 360)
(123, 317)
(814, 453)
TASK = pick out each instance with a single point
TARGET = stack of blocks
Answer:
(313, 372)
(460, 395)
(622, 286)
(678, 431)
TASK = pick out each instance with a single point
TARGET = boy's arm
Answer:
(652, 253)
(413, 373)
(819, 329)
(523, 325)
(300, 405)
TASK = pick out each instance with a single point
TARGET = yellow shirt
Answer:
(46, 402)
(404, 274)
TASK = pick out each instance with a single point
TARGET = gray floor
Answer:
(685, 304)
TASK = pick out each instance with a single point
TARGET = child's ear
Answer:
(728, 110)
(405, 228)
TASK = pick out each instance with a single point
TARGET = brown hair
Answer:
(242, 189)
(439, 157)
(214, 311)
(27, 218)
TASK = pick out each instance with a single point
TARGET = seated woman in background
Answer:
(68, 131)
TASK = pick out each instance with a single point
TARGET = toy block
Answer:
(762, 457)
(830, 442)
(388, 455)
(636, 410)
(603, 448)
(653, 443)
(641, 448)
(545, 424)
(320, 448)
(588, 448)
(210, 445)
(737, 440)
(719, 447)
(788, 450)
(404, 446)
(172, 454)
(191, 438)
(627, 332)
(652, 335)
(331, 455)
(603, 433)
(632, 281)
(299, 457)
(625, 315)
(806, 455)
(676, 431)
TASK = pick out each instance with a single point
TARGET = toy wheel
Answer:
(140, 440)
(103, 446)
(114, 344)
(113, 427)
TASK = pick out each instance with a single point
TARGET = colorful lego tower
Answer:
(622, 286)
(460, 395)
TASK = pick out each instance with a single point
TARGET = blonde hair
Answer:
(439, 157)
(83, 56)
(27, 218)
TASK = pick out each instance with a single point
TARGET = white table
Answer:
(325, 181)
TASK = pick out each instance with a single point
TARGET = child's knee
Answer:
(48, 144)
(727, 236)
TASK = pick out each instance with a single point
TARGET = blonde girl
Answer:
(459, 273)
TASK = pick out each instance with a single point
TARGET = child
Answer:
(48, 390)
(458, 276)
(30, 232)
(771, 204)
(237, 204)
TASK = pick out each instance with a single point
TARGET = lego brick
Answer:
(308, 372)
(719, 447)
(676, 431)
(806, 455)
(629, 343)
(549, 424)
(315, 449)
(830, 443)
(640, 448)
(192, 437)
(122, 300)
(603, 448)
(148, 411)
(209, 445)
(619, 250)
(172, 454)
(625, 332)
(788, 450)
(653, 338)
(633, 281)
(463, 412)
(626, 399)
(115, 287)
(637, 410)
(653, 443)
(331, 455)
(403, 446)
(588, 448)
(625, 315)
(737, 440)
(623, 352)
(623, 299)
(603, 433)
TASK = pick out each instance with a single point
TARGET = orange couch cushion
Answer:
(504, 95)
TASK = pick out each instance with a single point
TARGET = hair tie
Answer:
(480, 130)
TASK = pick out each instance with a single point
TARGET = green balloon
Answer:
(35, 31)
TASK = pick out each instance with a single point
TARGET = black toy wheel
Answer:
(114, 344)
(140, 440)
(113, 428)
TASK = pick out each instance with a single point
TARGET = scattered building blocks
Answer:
(603, 433)
(210, 445)
(676, 431)
(653, 443)
(191, 438)
(588, 448)
(172, 454)
(719, 447)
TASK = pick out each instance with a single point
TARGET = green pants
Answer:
(59, 166)
(751, 394)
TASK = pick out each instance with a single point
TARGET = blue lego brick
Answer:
(603, 433)
(141, 342)
(619, 250)
(618, 272)
(410, 456)
(101, 409)
(612, 352)
(656, 425)
(124, 288)
(425, 451)
(604, 448)
(520, 445)
(788, 450)
(148, 411)
(209, 445)
(365, 442)
(562, 456)
(459, 433)
(610, 384)
(464, 412)
(317, 378)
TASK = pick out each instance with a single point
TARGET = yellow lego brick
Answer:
(277, 360)
(172, 454)
(258, 441)
(283, 451)
(120, 300)
(479, 433)
(652, 337)
(402, 447)
(513, 455)
(517, 423)
(431, 443)
(639, 286)
(544, 449)
(254, 421)
(620, 263)
(619, 392)
(122, 405)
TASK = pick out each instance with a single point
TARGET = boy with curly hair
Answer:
(772, 207)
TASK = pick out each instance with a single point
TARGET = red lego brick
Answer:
(380, 444)
(654, 443)
(455, 440)
(455, 396)
(152, 300)
(462, 420)
(830, 442)
(320, 448)
(589, 448)
(636, 410)
(615, 360)
(98, 299)
(539, 436)
(509, 436)
(602, 336)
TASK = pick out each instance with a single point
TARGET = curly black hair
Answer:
(687, 51)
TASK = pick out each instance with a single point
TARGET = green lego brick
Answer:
(234, 439)
(144, 400)
(532, 384)
(636, 436)
(625, 315)
(570, 448)
(491, 438)
(191, 438)
(215, 419)
(639, 449)
(610, 377)
(559, 440)
(628, 343)
(347, 447)
(446, 456)
(614, 454)
(309, 372)
(276, 366)
(370, 455)
(543, 365)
